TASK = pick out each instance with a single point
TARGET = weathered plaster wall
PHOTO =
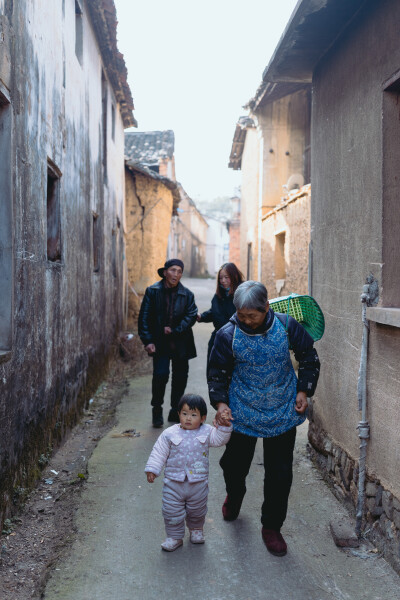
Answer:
(291, 219)
(249, 203)
(148, 217)
(285, 127)
(65, 315)
(347, 238)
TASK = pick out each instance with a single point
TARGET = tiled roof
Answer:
(235, 158)
(149, 147)
(104, 20)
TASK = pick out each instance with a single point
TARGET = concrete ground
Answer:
(116, 553)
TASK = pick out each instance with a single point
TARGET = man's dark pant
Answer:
(180, 370)
(278, 462)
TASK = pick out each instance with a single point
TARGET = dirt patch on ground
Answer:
(32, 541)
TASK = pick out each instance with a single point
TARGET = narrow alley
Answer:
(116, 552)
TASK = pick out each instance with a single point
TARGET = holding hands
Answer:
(301, 403)
(223, 416)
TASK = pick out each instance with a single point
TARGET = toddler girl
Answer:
(183, 450)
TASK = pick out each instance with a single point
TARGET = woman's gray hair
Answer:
(251, 295)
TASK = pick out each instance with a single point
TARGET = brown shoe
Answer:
(231, 508)
(274, 541)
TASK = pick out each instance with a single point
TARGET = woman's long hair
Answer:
(235, 276)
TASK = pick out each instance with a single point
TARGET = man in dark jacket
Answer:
(167, 315)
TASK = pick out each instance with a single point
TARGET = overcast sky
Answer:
(191, 68)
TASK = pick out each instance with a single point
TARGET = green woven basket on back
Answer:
(305, 310)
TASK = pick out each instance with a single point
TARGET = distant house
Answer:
(64, 104)
(217, 244)
(285, 239)
(151, 200)
(244, 231)
(349, 53)
(272, 150)
(234, 233)
(188, 237)
(152, 149)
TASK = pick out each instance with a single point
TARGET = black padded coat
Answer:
(151, 320)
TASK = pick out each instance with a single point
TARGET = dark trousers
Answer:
(278, 472)
(180, 370)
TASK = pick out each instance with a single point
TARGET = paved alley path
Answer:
(116, 554)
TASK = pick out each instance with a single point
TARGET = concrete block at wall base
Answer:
(343, 533)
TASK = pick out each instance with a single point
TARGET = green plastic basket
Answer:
(305, 310)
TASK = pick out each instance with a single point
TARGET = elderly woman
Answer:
(251, 375)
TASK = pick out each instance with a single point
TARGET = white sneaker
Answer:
(170, 544)
(197, 536)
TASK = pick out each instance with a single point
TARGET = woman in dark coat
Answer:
(251, 380)
(228, 279)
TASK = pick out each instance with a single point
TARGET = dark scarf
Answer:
(265, 325)
(169, 304)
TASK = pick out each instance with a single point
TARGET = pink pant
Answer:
(180, 499)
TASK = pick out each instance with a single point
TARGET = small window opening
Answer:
(249, 261)
(114, 252)
(113, 122)
(280, 268)
(104, 123)
(78, 32)
(96, 242)
(53, 213)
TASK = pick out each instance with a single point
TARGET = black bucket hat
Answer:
(170, 263)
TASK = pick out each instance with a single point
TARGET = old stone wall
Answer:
(285, 241)
(66, 143)
(381, 515)
(148, 217)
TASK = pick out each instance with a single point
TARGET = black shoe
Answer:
(173, 416)
(158, 420)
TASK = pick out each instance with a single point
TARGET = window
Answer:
(96, 242)
(78, 32)
(6, 240)
(113, 122)
(114, 253)
(104, 123)
(53, 213)
(280, 267)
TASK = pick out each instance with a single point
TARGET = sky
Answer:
(191, 68)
